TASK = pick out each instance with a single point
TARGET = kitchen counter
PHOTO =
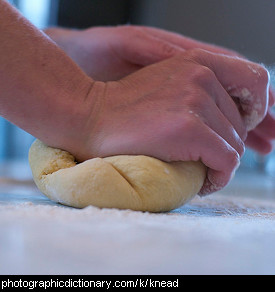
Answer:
(229, 232)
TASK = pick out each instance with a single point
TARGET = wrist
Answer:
(42, 90)
(80, 120)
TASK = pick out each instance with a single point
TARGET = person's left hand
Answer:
(110, 53)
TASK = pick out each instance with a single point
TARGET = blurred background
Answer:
(246, 26)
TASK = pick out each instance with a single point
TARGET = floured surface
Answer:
(232, 232)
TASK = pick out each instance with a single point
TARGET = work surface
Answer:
(230, 232)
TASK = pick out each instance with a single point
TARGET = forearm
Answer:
(41, 88)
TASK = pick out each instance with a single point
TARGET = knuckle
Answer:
(264, 75)
(195, 54)
(186, 125)
(168, 50)
(238, 143)
(232, 158)
(189, 123)
(202, 75)
(198, 101)
(132, 31)
(243, 134)
(240, 148)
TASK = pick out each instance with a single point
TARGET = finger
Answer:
(220, 119)
(220, 158)
(259, 144)
(228, 113)
(246, 81)
(220, 125)
(260, 139)
(187, 43)
(145, 49)
(271, 97)
(266, 129)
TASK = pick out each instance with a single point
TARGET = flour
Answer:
(251, 106)
(192, 113)
(254, 70)
(219, 234)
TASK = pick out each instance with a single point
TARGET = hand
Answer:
(178, 110)
(261, 138)
(110, 53)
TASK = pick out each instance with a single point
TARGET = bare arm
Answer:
(42, 89)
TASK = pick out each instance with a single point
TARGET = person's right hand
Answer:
(111, 53)
(180, 109)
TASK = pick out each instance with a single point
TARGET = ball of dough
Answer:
(139, 183)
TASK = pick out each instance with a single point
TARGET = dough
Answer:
(139, 183)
